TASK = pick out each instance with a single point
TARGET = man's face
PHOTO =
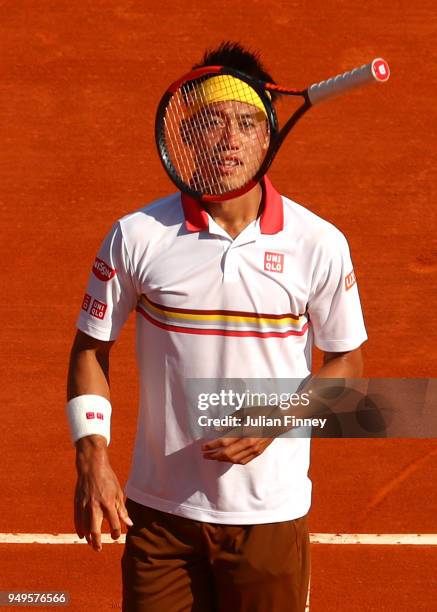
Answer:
(229, 141)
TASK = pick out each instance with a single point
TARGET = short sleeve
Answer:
(111, 293)
(334, 305)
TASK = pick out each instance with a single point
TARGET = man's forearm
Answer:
(341, 365)
(88, 374)
(89, 451)
(348, 365)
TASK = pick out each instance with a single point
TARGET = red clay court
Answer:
(81, 84)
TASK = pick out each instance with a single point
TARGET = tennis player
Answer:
(237, 289)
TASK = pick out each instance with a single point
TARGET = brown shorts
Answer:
(175, 564)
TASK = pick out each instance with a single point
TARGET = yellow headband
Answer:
(223, 88)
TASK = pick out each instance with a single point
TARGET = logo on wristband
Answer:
(93, 415)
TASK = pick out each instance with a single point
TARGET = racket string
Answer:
(201, 102)
(175, 141)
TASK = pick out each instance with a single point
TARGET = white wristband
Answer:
(89, 415)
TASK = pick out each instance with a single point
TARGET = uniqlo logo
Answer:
(100, 416)
(273, 262)
(86, 302)
(98, 309)
(90, 415)
(350, 280)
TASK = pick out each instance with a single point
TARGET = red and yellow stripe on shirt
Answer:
(222, 322)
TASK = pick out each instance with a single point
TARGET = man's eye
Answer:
(246, 123)
(211, 123)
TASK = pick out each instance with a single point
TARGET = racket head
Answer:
(214, 129)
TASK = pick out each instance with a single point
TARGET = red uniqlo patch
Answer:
(100, 416)
(273, 262)
(90, 415)
(350, 280)
(98, 309)
(86, 302)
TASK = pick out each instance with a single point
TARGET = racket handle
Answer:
(377, 70)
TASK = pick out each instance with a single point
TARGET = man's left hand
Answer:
(235, 450)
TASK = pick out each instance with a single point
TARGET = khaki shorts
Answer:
(175, 564)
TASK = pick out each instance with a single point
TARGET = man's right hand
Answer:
(98, 493)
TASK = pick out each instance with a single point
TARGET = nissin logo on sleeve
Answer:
(102, 271)
(273, 262)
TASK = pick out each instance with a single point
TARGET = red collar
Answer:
(271, 221)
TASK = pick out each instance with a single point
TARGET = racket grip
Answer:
(377, 70)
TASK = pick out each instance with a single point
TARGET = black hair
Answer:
(234, 55)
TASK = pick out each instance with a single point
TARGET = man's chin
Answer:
(222, 183)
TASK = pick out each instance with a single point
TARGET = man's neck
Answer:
(234, 215)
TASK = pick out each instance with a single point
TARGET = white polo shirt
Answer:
(209, 306)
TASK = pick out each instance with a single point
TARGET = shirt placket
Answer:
(232, 248)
